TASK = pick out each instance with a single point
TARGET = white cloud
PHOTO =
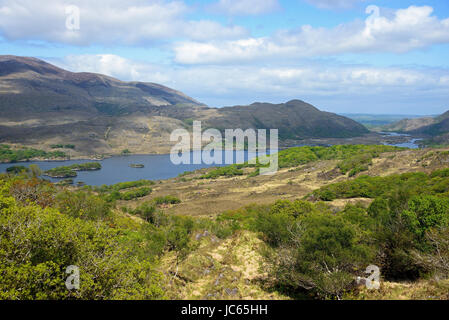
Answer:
(114, 66)
(107, 22)
(406, 30)
(326, 84)
(246, 7)
(334, 4)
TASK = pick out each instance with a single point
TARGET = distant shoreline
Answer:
(369, 139)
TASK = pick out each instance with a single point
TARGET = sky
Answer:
(344, 56)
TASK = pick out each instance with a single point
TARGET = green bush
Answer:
(426, 212)
(228, 171)
(166, 200)
(123, 185)
(147, 211)
(128, 195)
(83, 205)
(321, 254)
(7, 154)
(34, 259)
(134, 194)
(17, 169)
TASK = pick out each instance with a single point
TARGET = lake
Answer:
(157, 167)
(117, 169)
(412, 143)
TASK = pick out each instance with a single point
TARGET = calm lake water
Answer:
(157, 167)
(117, 169)
(412, 143)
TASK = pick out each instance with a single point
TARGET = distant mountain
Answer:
(42, 105)
(295, 119)
(409, 125)
(435, 129)
(378, 121)
(426, 125)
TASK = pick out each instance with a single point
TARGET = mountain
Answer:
(295, 119)
(408, 125)
(425, 125)
(32, 87)
(436, 130)
(42, 105)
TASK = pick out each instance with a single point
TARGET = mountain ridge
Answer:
(43, 105)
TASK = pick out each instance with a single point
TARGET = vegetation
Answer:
(70, 171)
(355, 164)
(8, 154)
(45, 229)
(34, 258)
(166, 200)
(373, 187)
(122, 186)
(310, 248)
(228, 171)
(128, 195)
(314, 250)
(16, 169)
(61, 172)
(354, 158)
(62, 146)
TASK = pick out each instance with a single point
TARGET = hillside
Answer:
(439, 127)
(437, 132)
(434, 130)
(432, 126)
(378, 122)
(408, 125)
(295, 119)
(42, 105)
(237, 237)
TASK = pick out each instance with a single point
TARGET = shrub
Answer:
(34, 259)
(147, 211)
(134, 194)
(83, 205)
(166, 200)
(16, 169)
(426, 212)
(32, 191)
(321, 256)
(435, 260)
(123, 185)
(228, 171)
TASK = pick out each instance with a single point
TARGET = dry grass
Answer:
(231, 268)
(421, 290)
(220, 269)
(214, 196)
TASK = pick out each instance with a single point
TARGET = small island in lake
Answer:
(139, 166)
(70, 171)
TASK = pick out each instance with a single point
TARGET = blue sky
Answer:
(351, 56)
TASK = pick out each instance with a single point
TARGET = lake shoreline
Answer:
(372, 138)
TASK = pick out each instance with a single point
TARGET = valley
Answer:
(85, 163)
